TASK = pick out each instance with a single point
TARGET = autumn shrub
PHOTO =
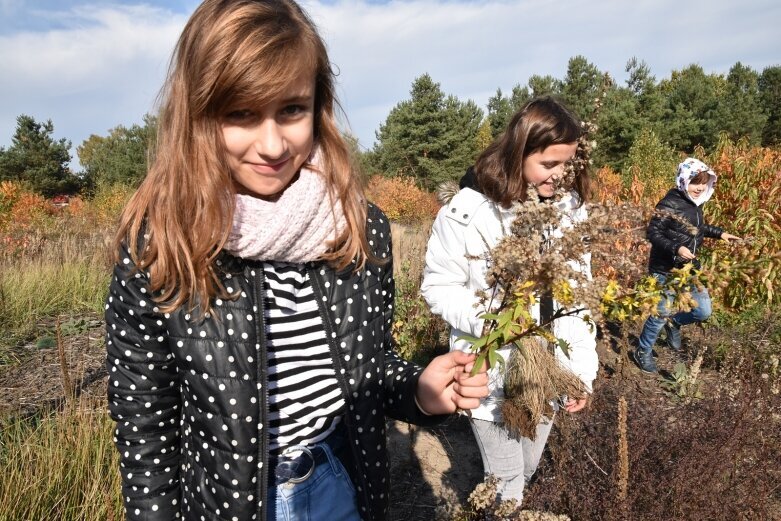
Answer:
(650, 170)
(623, 254)
(607, 186)
(9, 194)
(22, 209)
(746, 203)
(24, 217)
(419, 335)
(401, 200)
(104, 207)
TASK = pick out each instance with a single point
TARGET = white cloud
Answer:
(103, 68)
(103, 65)
(472, 48)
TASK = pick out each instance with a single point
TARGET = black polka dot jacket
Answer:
(189, 396)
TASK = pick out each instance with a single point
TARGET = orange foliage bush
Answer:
(31, 209)
(746, 202)
(629, 234)
(607, 186)
(401, 199)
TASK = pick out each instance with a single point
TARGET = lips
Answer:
(269, 168)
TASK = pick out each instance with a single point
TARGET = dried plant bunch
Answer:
(534, 380)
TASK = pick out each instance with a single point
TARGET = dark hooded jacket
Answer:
(668, 234)
(189, 395)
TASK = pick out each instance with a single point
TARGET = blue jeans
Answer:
(653, 326)
(327, 494)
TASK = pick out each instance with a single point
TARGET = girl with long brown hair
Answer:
(250, 354)
(530, 154)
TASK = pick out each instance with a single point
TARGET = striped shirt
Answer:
(305, 401)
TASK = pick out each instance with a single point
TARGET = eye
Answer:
(239, 115)
(293, 110)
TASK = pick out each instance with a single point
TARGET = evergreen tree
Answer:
(499, 112)
(769, 85)
(501, 108)
(37, 159)
(619, 125)
(691, 115)
(542, 85)
(429, 137)
(650, 101)
(581, 86)
(740, 112)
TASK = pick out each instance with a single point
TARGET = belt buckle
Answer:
(287, 472)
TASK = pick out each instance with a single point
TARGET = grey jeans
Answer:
(512, 460)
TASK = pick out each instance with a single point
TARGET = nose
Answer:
(269, 142)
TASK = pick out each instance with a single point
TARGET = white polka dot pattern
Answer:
(189, 398)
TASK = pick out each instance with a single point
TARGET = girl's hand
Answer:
(686, 253)
(573, 405)
(445, 385)
(729, 237)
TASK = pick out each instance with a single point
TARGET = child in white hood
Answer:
(676, 232)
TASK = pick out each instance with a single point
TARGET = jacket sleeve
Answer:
(446, 277)
(143, 397)
(658, 226)
(401, 376)
(581, 337)
(714, 232)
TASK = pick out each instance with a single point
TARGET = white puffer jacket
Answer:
(455, 270)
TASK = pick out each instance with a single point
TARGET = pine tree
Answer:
(37, 160)
(692, 102)
(769, 85)
(429, 137)
(740, 111)
(581, 86)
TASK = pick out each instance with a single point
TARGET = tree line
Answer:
(432, 137)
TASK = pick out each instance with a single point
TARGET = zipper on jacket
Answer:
(317, 288)
(258, 282)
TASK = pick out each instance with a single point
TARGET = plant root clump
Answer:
(534, 380)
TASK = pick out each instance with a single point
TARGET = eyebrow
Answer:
(303, 98)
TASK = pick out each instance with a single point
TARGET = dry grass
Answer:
(409, 247)
(64, 273)
(64, 466)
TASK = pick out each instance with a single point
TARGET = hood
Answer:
(690, 168)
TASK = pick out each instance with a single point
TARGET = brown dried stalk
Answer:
(67, 385)
(623, 455)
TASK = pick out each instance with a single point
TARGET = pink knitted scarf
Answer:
(294, 228)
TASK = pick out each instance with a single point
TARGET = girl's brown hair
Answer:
(700, 178)
(542, 122)
(231, 53)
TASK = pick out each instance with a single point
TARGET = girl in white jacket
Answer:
(532, 151)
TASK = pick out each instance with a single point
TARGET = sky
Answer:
(92, 65)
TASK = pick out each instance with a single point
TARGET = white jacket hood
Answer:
(689, 169)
